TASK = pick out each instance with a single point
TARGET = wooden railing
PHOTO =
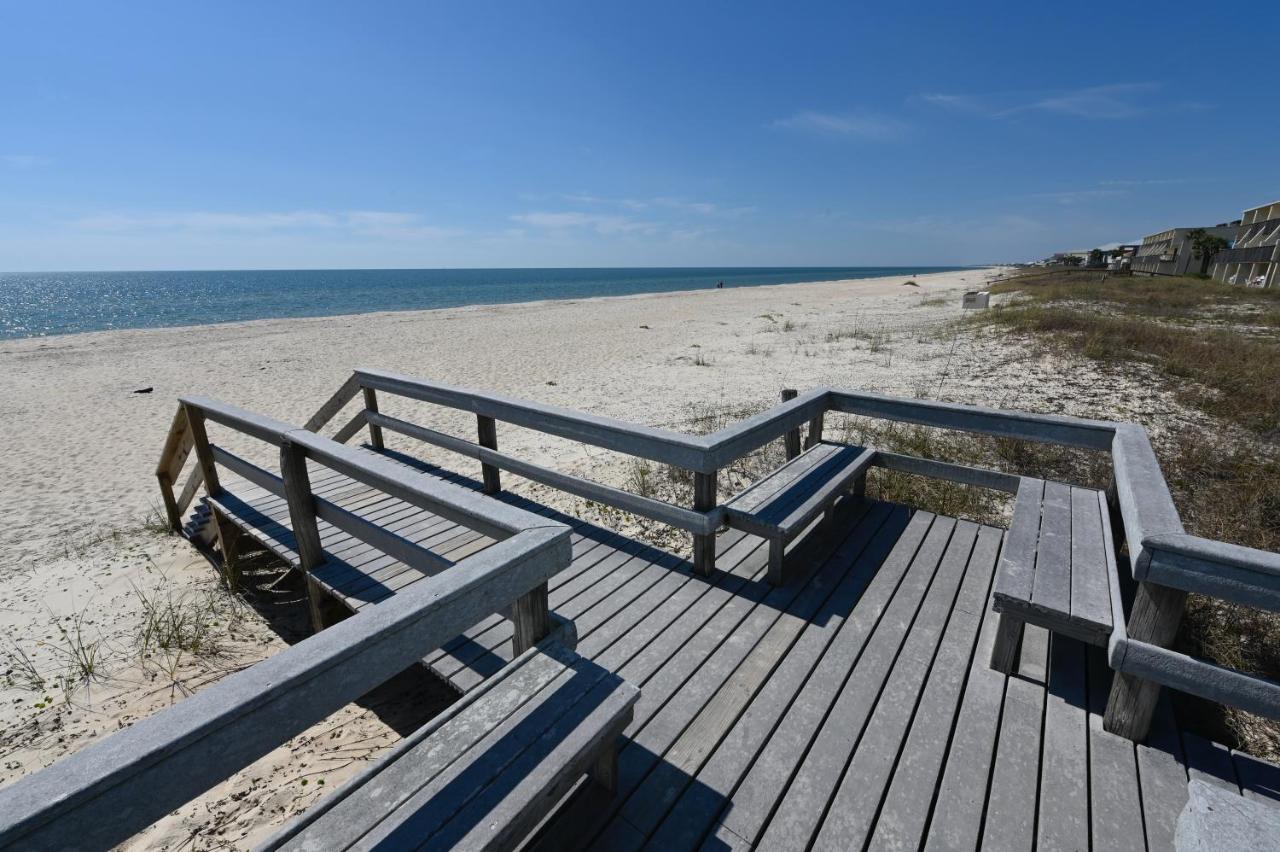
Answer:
(107, 792)
(1165, 562)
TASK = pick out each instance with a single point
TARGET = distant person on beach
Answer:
(720, 286)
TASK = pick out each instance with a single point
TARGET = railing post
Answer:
(371, 404)
(531, 619)
(204, 455)
(302, 517)
(704, 500)
(170, 503)
(792, 437)
(815, 432)
(1154, 619)
(487, 434)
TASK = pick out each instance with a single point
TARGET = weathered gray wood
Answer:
(353, 426)
(543, 720)
(1209, 762)
(1162, 667)
(1090, 580)
(792, 437)
(1015, 576)
(1043, 428)
(487, 436)
(905, 812)
(948, 471)
(687, 753)
(888, 607)
(1162, 774)
(500, 818)
(106, 792)
(697, 807)
(1259, 779)
(333, 405)
(704, 545)
(801, 807)
(1007, 643)
(1115, 797)
(204, 455)
(961, 797)
(1051, 588)
(1153, 618)
(654, 444)
(177, 445)
(1011, 806)
(941, 637)
(172, 514)
(264, 479)
(371, 404)
(302, 507)
(530, 619)
(688, 657)
(813, 436)
(1063, 821)
(1241, 574)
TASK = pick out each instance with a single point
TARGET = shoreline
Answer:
(481, 305)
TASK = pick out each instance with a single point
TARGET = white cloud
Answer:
(860, 125)
(1108, 102)
(601, 224)
(682, 205)
(379, 224)
(24, 161)
(1077, 196)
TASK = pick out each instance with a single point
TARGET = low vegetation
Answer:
(1217, 348)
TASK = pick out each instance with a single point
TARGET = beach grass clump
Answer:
(192, 623)
(1211, 340)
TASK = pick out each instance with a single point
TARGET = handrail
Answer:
(696, 522)
(1042, 428)
(647, 442)
(102, 795)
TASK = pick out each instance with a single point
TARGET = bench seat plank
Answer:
(1055, 571)
(785, 503)
(483, 773)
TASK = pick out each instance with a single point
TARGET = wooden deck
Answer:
(850, 708)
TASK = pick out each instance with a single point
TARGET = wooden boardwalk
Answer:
(850, 708)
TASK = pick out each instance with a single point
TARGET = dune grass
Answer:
(1217, 348)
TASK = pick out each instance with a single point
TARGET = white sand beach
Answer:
(81, 445)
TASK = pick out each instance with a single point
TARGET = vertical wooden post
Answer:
(204, 455)
(487, 429)
(815, 432)
(170, 504)
(792, 437)
(704, 500)
(1154, 618)
(371, 404)
(302, 517)
(531, 619)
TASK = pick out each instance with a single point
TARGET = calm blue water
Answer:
(33, 304)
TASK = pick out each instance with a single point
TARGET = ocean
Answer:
(44, 303)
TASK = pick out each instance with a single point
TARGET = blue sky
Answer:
(296, 135)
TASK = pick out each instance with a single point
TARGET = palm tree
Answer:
(1206, 245)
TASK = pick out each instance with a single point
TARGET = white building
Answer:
(1254, 259)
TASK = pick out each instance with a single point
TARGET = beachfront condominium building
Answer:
(1171, 252)
(1254, 259)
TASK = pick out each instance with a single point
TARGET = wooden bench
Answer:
(1056, 569)
(783, 504)
(484, 773)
